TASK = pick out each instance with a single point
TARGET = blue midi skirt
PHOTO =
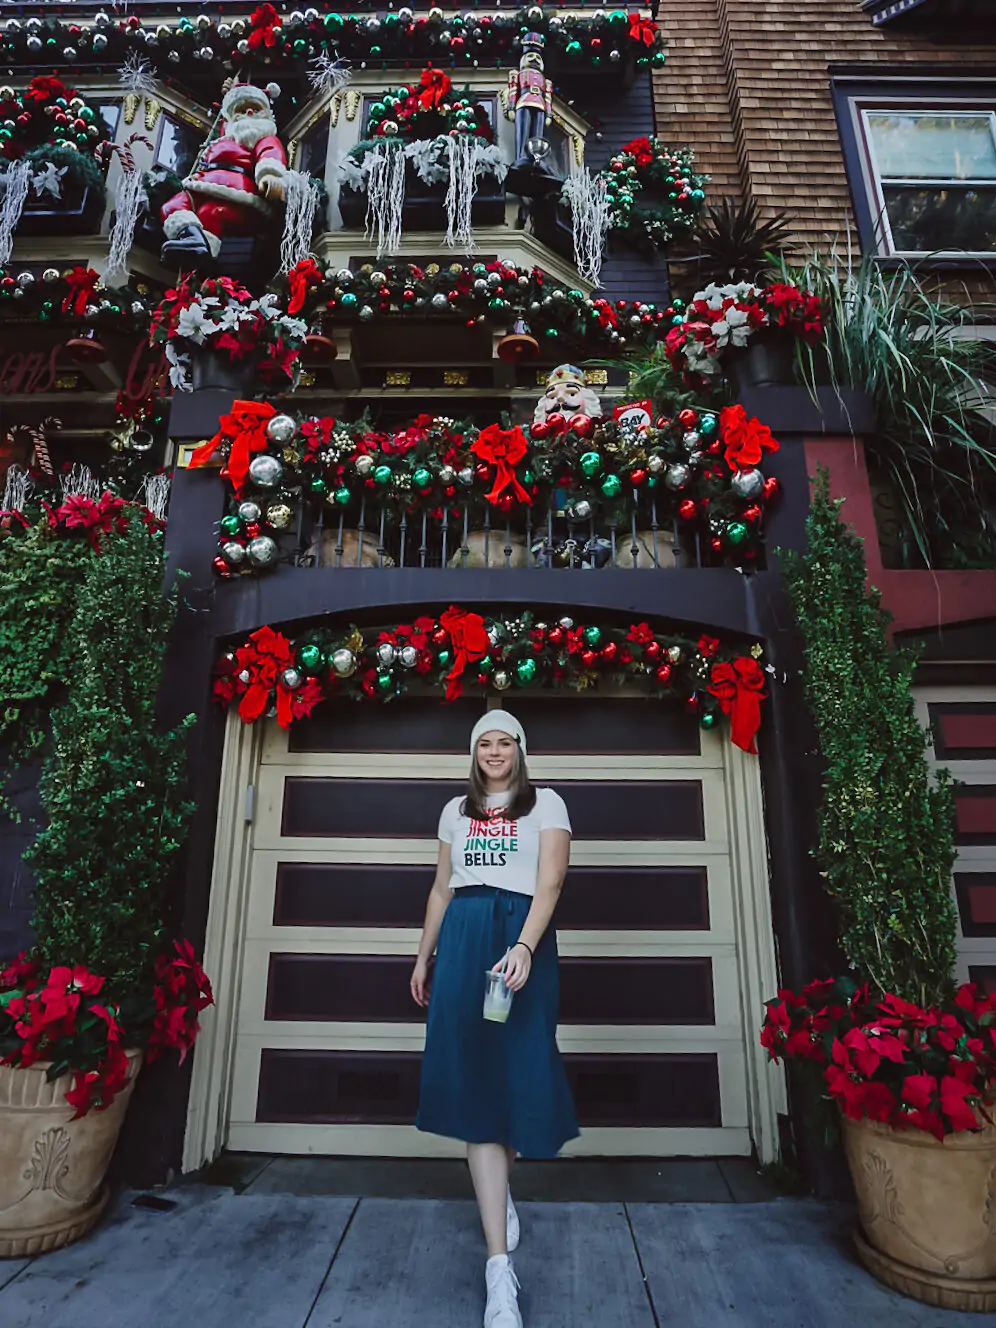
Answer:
(486, 1082)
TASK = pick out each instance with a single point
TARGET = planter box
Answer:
(52, 1168)
(425, 205)
(77, 213)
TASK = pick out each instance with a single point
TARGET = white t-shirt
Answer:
(497, 852)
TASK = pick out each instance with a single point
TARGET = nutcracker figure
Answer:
(235, 183)
(531, 97)
(567, 393)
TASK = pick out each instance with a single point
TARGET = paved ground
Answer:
(285, 1249)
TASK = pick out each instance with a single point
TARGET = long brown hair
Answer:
(476, 803)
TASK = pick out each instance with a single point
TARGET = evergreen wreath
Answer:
(655, 194)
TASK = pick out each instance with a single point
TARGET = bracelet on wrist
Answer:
(525, 947)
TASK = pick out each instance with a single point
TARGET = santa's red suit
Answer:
(226, 192)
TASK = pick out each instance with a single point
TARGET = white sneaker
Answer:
(502, 1309)
(511, 1226)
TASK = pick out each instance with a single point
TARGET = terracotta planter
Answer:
(52, 1168)
(927, 1212)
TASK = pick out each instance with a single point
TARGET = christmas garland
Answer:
(654, 192)
(209, 46)
(74, 295)
(698, 470)
(47, 116)
(496, 292)
(270, 673)
(428, 110)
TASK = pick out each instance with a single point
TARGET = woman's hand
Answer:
(517, 965)
(420, 982)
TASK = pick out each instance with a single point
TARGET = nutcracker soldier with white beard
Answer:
(235, 184)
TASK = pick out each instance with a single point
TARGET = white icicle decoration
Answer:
(587, 196)
(127, 201)
(16, 489)
(155, 495)
(299, 218)
(385, 196)
(328, 74)
(462, 151)
(136, 75)
(79, 479)
(17, 181)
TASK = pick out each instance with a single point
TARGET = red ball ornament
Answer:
(638, 477)
(772, 489)
(539, 430)
(557, 423)
(715, 447)
(688, 510)
(457, 43)
(663, 422)
(505, 502)
(555, 636)
(752, 514)
(582, 425)
(663, 675)
(440, 636)
(716, 544)
(596, 45)
(482, 474)
(252, 529)
(610, 652)
(687, 418)
(589, 659)
(652, 650)
(408, 293)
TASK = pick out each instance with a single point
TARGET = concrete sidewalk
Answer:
(222, 1259)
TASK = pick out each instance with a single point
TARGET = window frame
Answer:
(853, 101)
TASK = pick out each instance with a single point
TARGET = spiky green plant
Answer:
(735, 244)
(918, 357)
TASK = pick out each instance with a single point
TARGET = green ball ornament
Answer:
(736, 533)
(573, 49)
(311, 657)
(611, 486)
(707, 720)
(526, 671)
(707, 425)
(384, 681)
(591, 464)
(445, 657)
(592, 636)
(348, 301)
(382, 474)
(422, 477)
(342, 497)
(318, 486)
(231, 526)
(485, 665)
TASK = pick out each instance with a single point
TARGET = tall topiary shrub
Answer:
(112, 786)
(886, 842)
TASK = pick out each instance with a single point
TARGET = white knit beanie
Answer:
(498, 721)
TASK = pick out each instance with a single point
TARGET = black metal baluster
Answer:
(361, 527)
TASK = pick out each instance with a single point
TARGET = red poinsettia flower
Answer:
(641, 149)
(46, 87)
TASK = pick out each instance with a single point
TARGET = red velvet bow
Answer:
(469, 638)
(300, 279)
(245, 429)
(503, 448)
(739, 689)
(265, 657)
(643, 31)
(81, 282)
(435, 85)
(265, 24)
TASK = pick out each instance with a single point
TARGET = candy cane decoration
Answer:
(127, 200)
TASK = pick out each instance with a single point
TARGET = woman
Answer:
(500, 1087)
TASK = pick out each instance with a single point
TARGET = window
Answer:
(179, 145)
(921, 159)
(315, 148)
(935, 179)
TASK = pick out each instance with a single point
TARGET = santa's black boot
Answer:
(189, 242)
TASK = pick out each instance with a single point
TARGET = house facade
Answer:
(692, 894)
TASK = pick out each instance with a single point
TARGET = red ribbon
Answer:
(642, 30)
(265, 658)
(469, 638)
(300, 279)
(503, 448)
(81, 282)
(739, 688)
(435, 85)
(245, 429)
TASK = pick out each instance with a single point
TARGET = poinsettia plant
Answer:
(887, 1059)
(74, 1021)
(722, 319)
(223, 315)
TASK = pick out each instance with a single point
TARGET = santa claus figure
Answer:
(567, 393)
(235, 183)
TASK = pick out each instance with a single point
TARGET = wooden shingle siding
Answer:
(747, 85)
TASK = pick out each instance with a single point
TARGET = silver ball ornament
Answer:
(465, 477)
(655, 464)
(262, 551)
(747, 483)
(292, 679)
(343, 662)
(233, 553)
(676, 476)
(364, 464)
(266, 472)
(281, 429)
(691, 440)
(386, 654)
(408, 656)
(250, 512)
(279, 515)
(501, 680)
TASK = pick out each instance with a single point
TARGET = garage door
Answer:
(664, 931)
